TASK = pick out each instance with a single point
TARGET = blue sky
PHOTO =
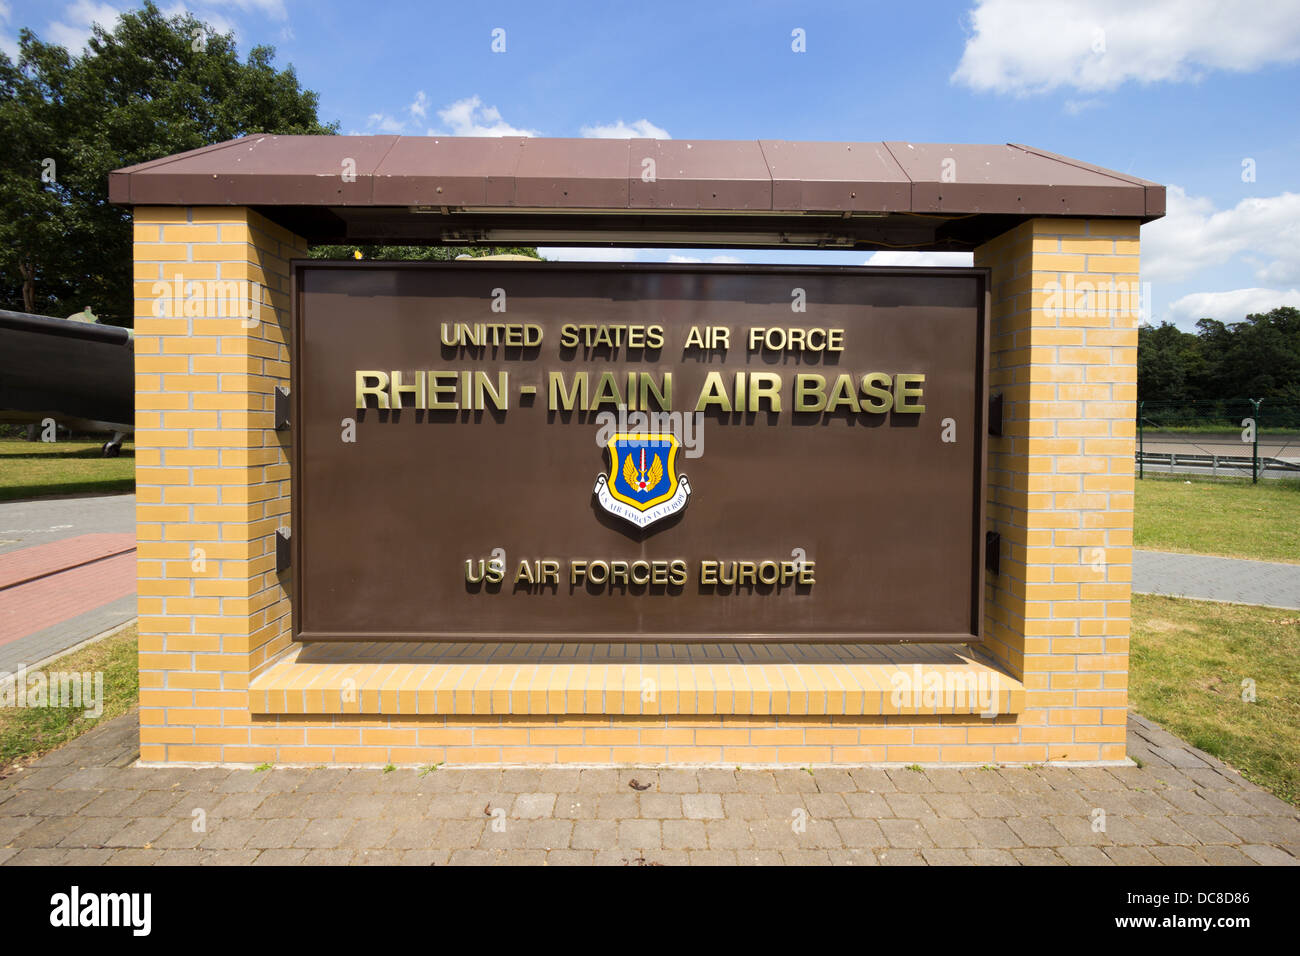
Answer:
(1198, 95)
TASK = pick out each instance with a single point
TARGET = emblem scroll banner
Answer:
(643, 519)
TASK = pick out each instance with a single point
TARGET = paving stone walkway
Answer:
(1217, 579)
(88, 804)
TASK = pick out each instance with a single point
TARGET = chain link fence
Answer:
(1221, 438)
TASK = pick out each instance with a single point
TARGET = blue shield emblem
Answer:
(642, 485)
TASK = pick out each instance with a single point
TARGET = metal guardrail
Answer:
(1229, 463)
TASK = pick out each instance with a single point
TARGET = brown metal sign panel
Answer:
(462, 469)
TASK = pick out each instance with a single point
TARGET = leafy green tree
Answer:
(417, 253)
(153, 86)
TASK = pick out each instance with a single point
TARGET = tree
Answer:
(417, 253)
(152, 87)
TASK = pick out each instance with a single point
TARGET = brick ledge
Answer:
(602, 679)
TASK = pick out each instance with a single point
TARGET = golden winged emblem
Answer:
(643, 478)
(643, 485)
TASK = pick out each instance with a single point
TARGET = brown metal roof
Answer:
(645, 192)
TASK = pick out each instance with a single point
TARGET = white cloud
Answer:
(419, 106)
(641, 129)
(1075, 107)
(1232, 306)
(272, 9)
(8, 43)
(73, 31)
(469, 117)
(1032, 46)
(1194, 236)
(216, 21)
(903, 257)
(385, 123)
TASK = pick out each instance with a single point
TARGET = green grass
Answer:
(31, 469)
(28, 732)
(1188, 660)
(1227, 516)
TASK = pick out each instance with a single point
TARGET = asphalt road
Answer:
(1224, 443)
(24, 524)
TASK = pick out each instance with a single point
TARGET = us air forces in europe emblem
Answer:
(642, 485)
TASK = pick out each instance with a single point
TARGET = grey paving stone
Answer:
(616, 806)
(1224, 856)
(139, 831)
(984, 856)
(1035, 831)
(872, 806)
(806, 856)
(756, 781)
(530, 806)
(911, 781)
(1037, 856)
(576, 806)
(714, 858)
(913, 806)
(949, 833)
(1176, 856)
(323, 834)
(639, 834)
(992, 834)
(369, 835)
(328, 857)
(795, 781)
(594, 834)
(271, 834)
(1084, 856)
(281, 857)
(684, 834)
(728, 835)
(548, 834)
(1269, 855)
(861, 834)
(905, 834)
(937, 856)
(1130, 855)
(702, 806)
(115, 814)
(571, 858)
(901, 857)
(667, 805)
(685, 781)
(414, 835)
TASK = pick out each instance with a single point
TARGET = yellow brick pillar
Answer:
(1064, 356)
(212, 475)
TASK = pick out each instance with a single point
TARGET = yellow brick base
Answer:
(597, 740)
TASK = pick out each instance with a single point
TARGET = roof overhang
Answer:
(638, 192)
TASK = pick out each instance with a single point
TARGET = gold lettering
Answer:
(379, 389)
(903, 390)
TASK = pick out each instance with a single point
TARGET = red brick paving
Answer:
(35, 593)
(34, 562)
